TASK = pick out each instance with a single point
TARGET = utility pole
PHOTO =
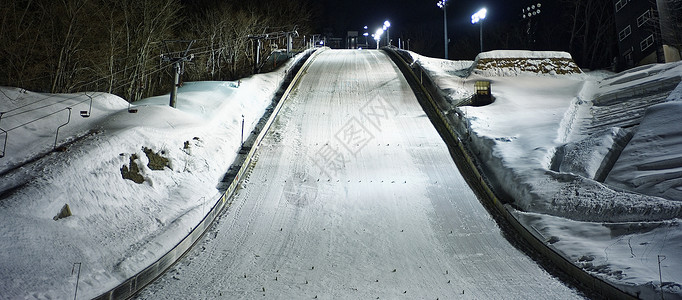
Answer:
(290, 40)
(259, 38)
(443, 5)
(178, 66)
(660, 276)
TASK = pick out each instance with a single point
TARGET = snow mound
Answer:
(657, 172)
(507, 63)
(443, 72)
(118, 226)
(582, 199)
(591, 157)
(645, 72)
(548, 143)
(31, 120)
(676, 94)
(524, 54)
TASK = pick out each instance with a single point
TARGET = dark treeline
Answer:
(63, 46)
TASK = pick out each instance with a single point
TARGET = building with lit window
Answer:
(648, 31)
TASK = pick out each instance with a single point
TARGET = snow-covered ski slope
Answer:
(353, 195)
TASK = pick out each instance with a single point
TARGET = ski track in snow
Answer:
(353, 194)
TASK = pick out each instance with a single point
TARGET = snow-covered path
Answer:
(353, 194)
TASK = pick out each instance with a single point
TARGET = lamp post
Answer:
(442, 4)
(377, 36)
(478, 18)
(387, 24)
(529, 13)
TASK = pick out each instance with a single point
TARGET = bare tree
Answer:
(591, 38)
(115, 46)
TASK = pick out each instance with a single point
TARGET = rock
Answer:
(63, 213)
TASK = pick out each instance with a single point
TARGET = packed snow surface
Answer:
(591, 161)
(118, 227)
(354, 195)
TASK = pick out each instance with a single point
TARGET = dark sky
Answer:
(354, 14)
(421, 23)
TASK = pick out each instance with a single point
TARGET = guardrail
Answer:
(426, 98)
(134, 284)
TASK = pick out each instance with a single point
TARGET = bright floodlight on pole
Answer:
(377, 36)
(530, 13)
(442, 4)
(387, 25)
(478, 17)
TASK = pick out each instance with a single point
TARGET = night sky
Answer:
(354, 14)
(422, 21)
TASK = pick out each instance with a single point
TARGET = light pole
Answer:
(387, 24)
(529, 13)
(478, 18)
(377, 36)
(442, 4)
(366, 34)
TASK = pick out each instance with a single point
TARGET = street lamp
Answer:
(387, 24)
(377, 36)
(478, 18)
(442, 4)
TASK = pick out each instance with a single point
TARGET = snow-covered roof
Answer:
(523, 54)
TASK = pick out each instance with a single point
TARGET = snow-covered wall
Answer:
(519, 62)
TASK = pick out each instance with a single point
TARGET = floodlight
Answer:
(378, 33)
(478, 16)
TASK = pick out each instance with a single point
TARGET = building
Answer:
(649, 31)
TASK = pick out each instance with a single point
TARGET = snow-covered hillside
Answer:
(549, 141)
(592, 165)
(119, 226)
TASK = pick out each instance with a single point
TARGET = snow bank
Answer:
(593, 156)
(625, 254)
(523, 54)
(517, 62)
(118, 227)
(443, 73)
(31, 121)
(676, 94)
(651, 163)
(547, 141)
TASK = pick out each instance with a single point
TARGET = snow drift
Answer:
(588, 159)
